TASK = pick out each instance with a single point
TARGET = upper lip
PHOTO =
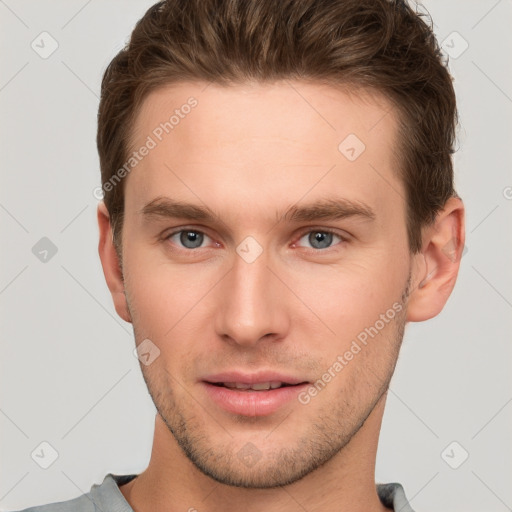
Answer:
(253, 378)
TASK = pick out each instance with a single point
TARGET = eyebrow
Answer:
(329, 209)
(324, 209)
(165, 207)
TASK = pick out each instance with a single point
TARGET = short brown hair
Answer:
(380, 45)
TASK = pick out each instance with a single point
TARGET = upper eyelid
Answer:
(313, 229)
(175, 231)
(303, 231)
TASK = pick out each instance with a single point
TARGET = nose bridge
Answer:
(249, 308)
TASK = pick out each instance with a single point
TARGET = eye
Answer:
(320, 239)
(188, 238)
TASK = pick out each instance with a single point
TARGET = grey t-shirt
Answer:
(106, 497)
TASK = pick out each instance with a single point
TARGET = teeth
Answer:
(260, 386)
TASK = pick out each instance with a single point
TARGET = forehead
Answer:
(263, 142)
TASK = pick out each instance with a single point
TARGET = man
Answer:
(278, 204)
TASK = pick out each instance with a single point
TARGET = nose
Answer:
(251, 304)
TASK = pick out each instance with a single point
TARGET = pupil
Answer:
(191, 239)
(320, 239)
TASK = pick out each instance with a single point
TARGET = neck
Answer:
(172, 482)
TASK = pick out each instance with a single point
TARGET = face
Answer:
(258, 249)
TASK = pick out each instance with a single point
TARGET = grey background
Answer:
(68, 374)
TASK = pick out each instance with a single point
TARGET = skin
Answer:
(250, 153)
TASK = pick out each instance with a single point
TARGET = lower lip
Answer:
(252, 403)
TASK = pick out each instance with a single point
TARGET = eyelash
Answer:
(343, 239)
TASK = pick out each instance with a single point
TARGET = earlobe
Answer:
(437, 265)
(110, 263)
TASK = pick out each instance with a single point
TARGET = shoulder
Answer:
(81, 504)
(101, 497)
(393, 496)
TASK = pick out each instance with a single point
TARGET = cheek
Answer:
(352, 295)
(163, 296)
(362, 353)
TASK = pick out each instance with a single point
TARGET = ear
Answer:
(437, 265)
(110, 263)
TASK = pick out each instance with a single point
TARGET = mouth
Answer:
(258, 386)
(252, 395)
